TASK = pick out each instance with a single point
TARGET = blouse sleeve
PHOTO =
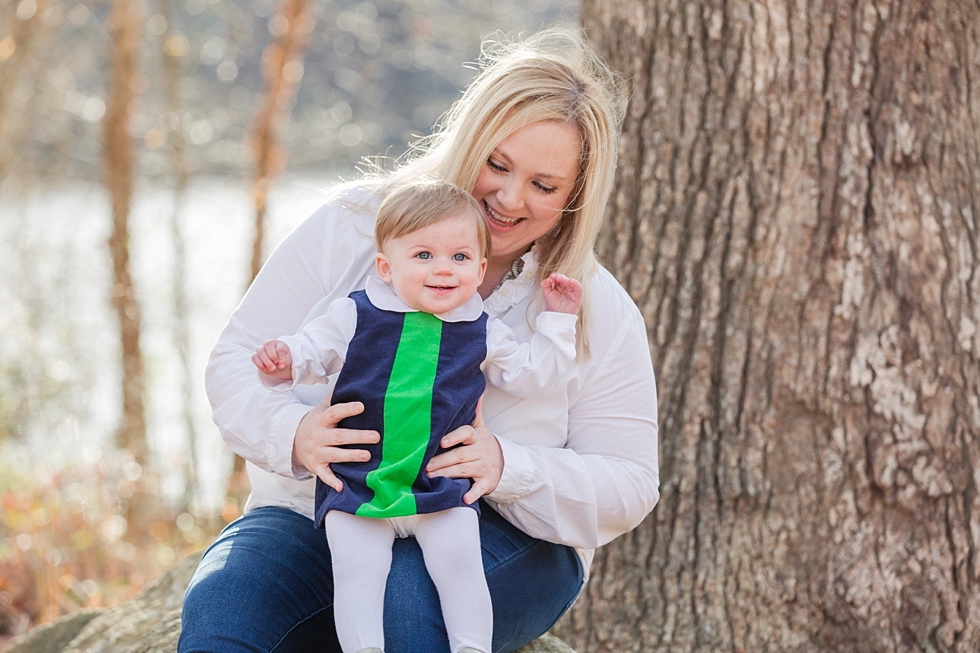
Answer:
(605, 479)
(525, 368)
(257, 424)
(319, 349)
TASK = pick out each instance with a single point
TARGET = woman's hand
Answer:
(318, 440)
(478, 456)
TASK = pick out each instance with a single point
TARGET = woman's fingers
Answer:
(318, 440)
(476, 455)
(462, 435)
(327, 476)
(337, 437)
(333, 453)
(331, 415)
(478, 420)
(457, 463)
(480, 487)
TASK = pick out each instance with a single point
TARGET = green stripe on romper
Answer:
(407, 418)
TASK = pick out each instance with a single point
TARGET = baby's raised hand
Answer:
(273, 358)
(562, 294)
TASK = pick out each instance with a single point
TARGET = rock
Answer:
(150, 623)
(55, 636)
(546, 644)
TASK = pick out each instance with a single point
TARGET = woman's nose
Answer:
(510, 197)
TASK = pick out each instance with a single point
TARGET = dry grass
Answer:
(88, 536)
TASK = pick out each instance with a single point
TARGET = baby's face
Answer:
(437, 268)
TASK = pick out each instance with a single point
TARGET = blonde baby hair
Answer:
(425, 202)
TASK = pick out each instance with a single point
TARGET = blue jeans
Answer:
(266, 585)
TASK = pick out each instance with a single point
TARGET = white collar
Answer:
(383, 296)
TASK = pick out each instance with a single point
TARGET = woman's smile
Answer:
(498, 220)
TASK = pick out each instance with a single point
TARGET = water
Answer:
(60, 398)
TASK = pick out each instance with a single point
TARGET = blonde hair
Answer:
(415, 206)
(552, 76)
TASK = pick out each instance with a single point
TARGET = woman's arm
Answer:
(605, 479)
(316, 261)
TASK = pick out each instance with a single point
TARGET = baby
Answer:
(416, 348)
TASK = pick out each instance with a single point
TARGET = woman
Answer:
(535, 138)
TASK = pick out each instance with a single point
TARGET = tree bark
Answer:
(181, 330)
(20, 31)
(282, 70)
(123, 27)
(796, 217)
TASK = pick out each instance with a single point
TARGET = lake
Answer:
(60, 397)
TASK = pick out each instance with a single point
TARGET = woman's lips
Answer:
(498, 220)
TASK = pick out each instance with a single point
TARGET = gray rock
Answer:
(55, 636)
(546, 644)
(150, 623)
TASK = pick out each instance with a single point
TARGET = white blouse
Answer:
(580, 459)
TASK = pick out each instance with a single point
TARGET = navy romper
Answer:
(419, 378)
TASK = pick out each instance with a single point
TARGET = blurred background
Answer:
(222, 123)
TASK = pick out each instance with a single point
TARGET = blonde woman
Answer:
(534, 138)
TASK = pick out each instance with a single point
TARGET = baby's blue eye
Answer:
(460, 257)
(424, 255)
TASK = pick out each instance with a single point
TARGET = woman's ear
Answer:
(383, 267)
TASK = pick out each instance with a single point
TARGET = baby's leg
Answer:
(361, 552)
(450, 542)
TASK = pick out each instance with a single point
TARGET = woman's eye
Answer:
(545, 189)
(493, 165)
(460, 257)
(424, 255)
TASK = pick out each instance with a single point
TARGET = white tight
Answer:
(450, 542)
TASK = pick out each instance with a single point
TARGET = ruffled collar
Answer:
(383, 296)
(514, 291)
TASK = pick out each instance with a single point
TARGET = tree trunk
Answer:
(21, 27)
(123, 27)
(282, 70)
(796, 216)
(181, 329)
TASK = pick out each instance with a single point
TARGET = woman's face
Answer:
(526, 183)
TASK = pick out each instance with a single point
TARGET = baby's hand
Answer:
(273, 358)
(562, 294)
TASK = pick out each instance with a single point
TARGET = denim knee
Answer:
(266, 573)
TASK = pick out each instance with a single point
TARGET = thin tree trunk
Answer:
(123, 27)
(181, 331)
(16, 43)
(796, 216)
(282, 70)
